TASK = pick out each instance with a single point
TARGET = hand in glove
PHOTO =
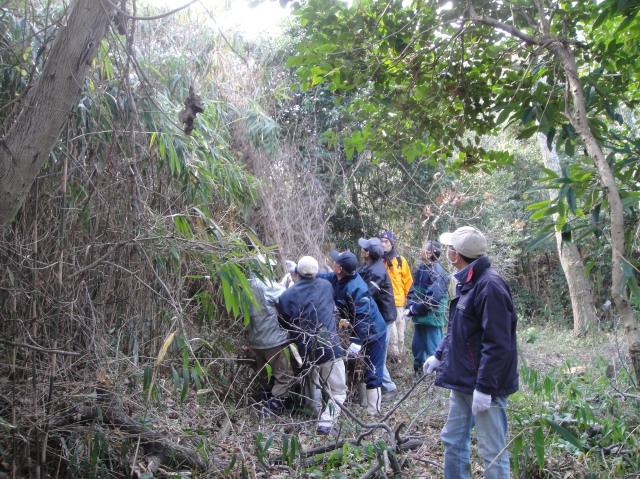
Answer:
(354, 349)
(481, 402)
(291, 266)
(407, 314)
(430, 365)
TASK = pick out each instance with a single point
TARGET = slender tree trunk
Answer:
(579, 121)
(582, 304)
(576, 112)
(27, 144)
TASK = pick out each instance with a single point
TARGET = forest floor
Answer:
(225, 426)
(423, 414)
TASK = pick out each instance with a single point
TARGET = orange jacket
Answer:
(401, 279)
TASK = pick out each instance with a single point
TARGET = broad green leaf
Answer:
(566, 435)
(528, 114)
(538, 441)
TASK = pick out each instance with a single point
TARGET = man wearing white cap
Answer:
(477, 359)
(306, 311)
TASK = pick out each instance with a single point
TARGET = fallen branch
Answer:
(40, 349)
(161, 449)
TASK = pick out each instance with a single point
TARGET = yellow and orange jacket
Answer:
(401, 279)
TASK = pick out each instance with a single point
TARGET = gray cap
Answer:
(372, 245)
(468, 241)
(307, 267)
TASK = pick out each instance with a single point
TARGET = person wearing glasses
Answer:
(477, 359)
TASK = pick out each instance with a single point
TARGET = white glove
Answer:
(481, 402)
(430, 365)
(407, 314)
(291, 266)
(354, 349)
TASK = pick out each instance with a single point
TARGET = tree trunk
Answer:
(27, 144)
(576, 111)
(578, 118)
(582, 304)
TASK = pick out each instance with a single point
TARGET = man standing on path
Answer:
(268, 340)
(356, 305)
(306, 311)
(428, 305)
(477, 359)
(400, 274)
(375, 275)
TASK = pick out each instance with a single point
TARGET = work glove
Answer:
(291, 266)
(481, 402)
(430, 365)
(354, 350)
(407, 314)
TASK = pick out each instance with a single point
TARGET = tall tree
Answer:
(580, 291)
(430, 79)
(28, 142)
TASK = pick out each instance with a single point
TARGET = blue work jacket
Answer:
(479, 350)
(305, 310)
(356, 304)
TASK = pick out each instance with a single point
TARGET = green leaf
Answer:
(609, 109)
(589, 94)
(566, 435)
(185, 384)
(538, 441)
(589, 267)
(571, 200)
(569, 147)
(527, 116)
(541, 204)
(544, 212)
(538, 241)
(550, 135)
(269, 371)
(518, 444)
(231, 464)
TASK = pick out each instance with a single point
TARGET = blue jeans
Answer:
(387, 383)
(491, 427)
(375, 352)
(425, 341)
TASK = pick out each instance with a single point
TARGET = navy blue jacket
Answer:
(305, 310)
(376, 272)
(479, 350)
(355, 304)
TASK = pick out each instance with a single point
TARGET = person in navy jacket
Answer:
(477, 359)
(355, 304)
(305, 310)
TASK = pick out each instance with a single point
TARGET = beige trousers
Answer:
(396, 341)
(281, 372)
(332, 374)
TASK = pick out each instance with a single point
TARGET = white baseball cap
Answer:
(307, 266)
(468, 241)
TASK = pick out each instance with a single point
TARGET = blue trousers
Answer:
(374, 352)
(491, 426)
(387, 383)
(425, 341)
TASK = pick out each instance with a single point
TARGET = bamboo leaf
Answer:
(566, 435)
(165, 347)
(538, 441)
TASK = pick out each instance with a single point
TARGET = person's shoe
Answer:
(389, 396)
(326, 431)
(265, 395)
(276, 404)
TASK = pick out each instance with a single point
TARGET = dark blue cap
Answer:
(346, 259)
